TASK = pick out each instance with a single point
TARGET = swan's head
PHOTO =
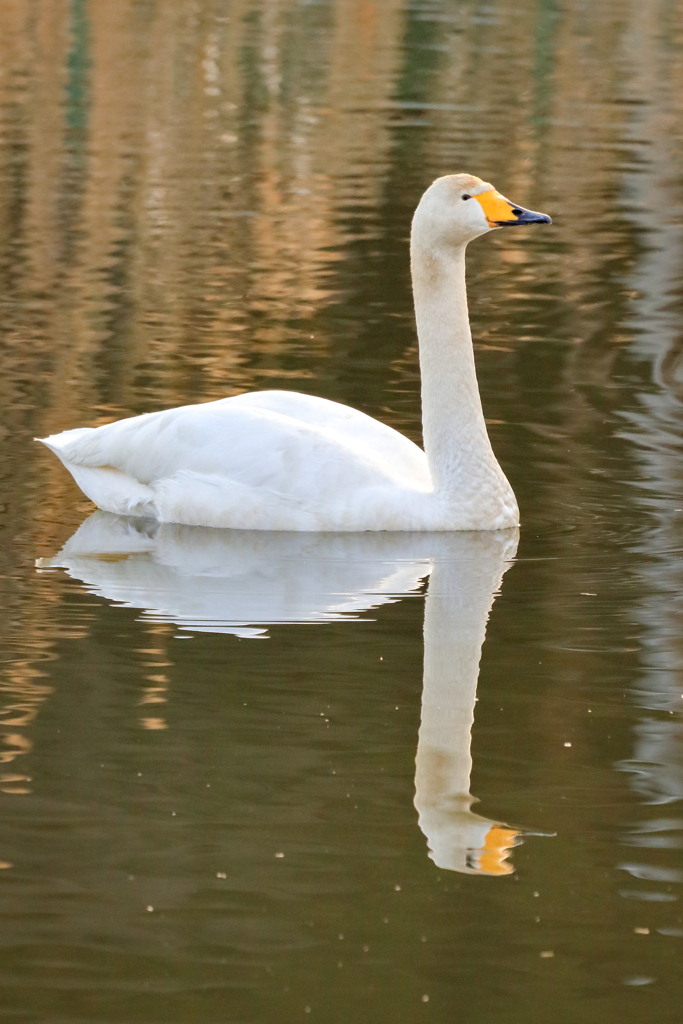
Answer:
(459, 207)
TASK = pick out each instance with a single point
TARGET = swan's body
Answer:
(286, 461)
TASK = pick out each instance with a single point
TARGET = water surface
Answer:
(237, 776)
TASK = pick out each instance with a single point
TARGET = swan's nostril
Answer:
(517, 212)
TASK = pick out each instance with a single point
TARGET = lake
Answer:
(252, 777)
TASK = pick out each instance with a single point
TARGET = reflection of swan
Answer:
(240, 582)
(285, 461)
(225, 581)
(461, 591)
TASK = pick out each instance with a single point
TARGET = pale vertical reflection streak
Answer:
(156, 681)
(28, 647)
(652, 196)
(22, 692)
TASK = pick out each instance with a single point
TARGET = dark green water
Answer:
(235, 776)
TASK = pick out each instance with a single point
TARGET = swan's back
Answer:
(311, 458)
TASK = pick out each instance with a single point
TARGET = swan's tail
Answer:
(57, 443)
(109, 488)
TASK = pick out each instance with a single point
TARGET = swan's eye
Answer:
(467, 197)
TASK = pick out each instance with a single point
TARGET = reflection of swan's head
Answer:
(460, 840)
(459, 207)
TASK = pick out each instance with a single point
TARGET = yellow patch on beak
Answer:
(499, 840)
(497, 208)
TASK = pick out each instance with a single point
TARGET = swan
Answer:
(241, 582)
(279, 460)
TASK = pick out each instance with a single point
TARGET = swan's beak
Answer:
(501, 213)
(493, 855)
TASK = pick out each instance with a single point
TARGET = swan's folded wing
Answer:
(398, 456)
(279, 441)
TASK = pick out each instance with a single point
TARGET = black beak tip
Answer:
(523, 216)
(531, 217)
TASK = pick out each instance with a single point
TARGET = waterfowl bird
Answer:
(278, 460)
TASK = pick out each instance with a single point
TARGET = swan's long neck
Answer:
(456, 443)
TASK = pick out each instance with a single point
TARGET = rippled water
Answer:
(237, 780)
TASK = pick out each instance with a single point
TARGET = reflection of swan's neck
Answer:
(454, 631)
(454, 431)
(457, 606)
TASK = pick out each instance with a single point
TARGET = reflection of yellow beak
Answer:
(500, 212)
(493, 858)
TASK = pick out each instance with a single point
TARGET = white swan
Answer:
(241, 582)
(278, 460)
